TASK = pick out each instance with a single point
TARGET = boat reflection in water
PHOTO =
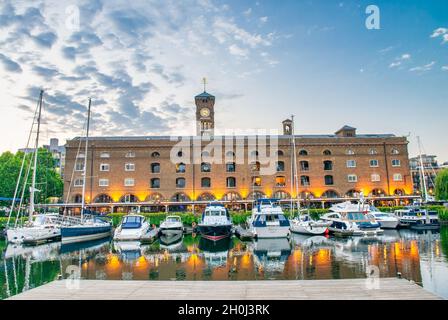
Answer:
(172, 243)
(418, 256)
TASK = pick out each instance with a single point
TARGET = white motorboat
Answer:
(303, 224)
(172, 226)
(385, 219)
(352, 219)
(215, 223)
(268, 220)
(132, 228)
(418, 218)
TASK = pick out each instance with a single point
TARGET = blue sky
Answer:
(142, 63)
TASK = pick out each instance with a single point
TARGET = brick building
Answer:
(155, 173)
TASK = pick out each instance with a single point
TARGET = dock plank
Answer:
(351, 289)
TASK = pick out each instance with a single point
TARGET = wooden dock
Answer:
(348, 289)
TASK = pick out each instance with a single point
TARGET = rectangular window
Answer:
(129, 167)
(398, 177)
(78, 182)
(256, 181)
(103, 182)
(79, 166)
(280, 181)
(351, 163)
(130, 154)
(104, 155)
(396, 163)
(373, 163)
(375, 177)
(129, 182)
(104, 167)
(80, 156)
(352, 178)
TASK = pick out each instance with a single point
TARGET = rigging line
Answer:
(23, 191)
(22, 166)
(73, 170)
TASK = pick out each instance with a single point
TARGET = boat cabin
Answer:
(132, 222)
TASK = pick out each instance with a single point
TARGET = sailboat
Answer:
(303, 223)
(40, 227)
(88, 227)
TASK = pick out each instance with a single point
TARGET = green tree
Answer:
(48, 180)
(442, 185)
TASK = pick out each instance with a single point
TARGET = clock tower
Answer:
(205, 113)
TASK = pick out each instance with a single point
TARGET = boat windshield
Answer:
(172, 219)
(40, 220)
(356, 216)
(131, 222)
(215, 213)
(382, 215)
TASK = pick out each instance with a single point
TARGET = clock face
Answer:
(205, 112)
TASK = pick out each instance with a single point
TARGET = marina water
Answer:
(418, 256)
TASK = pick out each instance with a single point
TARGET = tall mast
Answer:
(422, 171)
(36, 150)
(295, 163)
(84, 172)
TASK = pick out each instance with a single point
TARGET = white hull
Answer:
(271, 232)
(32, 234)
(367, 233)
(85, 237)
(389, 224)
(307, 229)
(130, 234)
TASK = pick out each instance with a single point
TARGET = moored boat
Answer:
(132, 227)
(215, 222)
(304, 224)
(172, 226)
(268, 220)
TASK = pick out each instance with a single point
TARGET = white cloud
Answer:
(400, 60)
(423, 68)
(248, 12)
(440, 32)
(238, 51)
(264, 19)
(445, 68)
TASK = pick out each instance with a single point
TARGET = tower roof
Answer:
(205, 95)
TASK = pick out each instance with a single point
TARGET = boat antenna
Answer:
(422, 171)
(84, 173)
(36, 151)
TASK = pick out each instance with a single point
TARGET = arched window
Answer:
(280, 153)
(373, 151)
(180, 197)
(206, 197)
(231, 182)
(103, 198)
(377, 192)
(395, 151)
(307, 195)
(206, 167)
(230, 154)
(399, 192)
(206, 183)
(330, 194)
(154, 183)
(128, 198)
(304, 181)
(327, 152)
(304, 166)
(154, 197)
(353, 193)
(329, 180)
(256, 195)
(155, 154)
(281, 195)
(303, 152)
(155, 167)
(231, 167)
(180, 183)
(231, 196)
(280, 166)
(180, 168)
(328, 165)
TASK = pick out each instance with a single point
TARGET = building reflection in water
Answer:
(421, 257)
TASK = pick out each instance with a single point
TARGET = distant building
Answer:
(139, 171)
(57, 151)
(430, 168)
